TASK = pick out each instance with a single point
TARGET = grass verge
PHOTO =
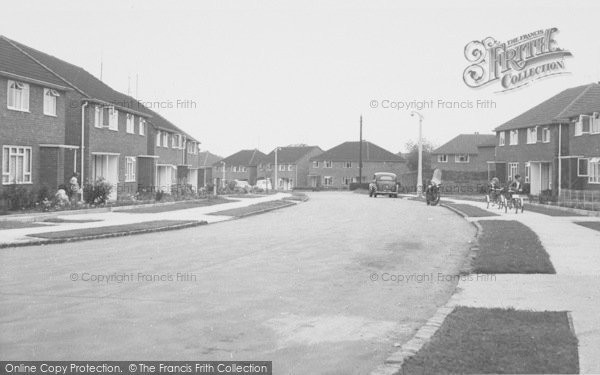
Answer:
(549, 211)
(484, 341)
(471, 211)
(60, 220)
(510, 247)
(595, 225)
(19, 224)
(253, 208)
(115, 230)
(177, 206)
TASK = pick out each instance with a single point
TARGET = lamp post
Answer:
(223, 179)
(420, 165)
(275, 184)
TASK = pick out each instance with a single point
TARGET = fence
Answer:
(581, 199)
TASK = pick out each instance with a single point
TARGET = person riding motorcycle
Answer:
(431, 192)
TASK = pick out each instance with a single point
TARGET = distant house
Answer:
(338, 166)
(558, 137)
(293, 164)
(242, 166)
(465, 153)
(204, 166)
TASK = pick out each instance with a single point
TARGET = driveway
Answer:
(294, 286)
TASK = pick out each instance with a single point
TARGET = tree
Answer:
(412, 155)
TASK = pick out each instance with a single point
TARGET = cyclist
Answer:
(516, 187)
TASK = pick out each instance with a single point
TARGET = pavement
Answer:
(575, 253)
(109, 218)
(329, 286)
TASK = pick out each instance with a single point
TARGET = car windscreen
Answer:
(385, 178)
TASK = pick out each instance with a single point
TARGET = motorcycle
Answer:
(432, 192)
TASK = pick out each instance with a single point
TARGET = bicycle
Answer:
(514, 200)
(494, 197)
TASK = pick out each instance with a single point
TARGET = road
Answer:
(294, 286)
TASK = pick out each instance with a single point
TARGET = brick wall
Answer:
(338, 171)
(477, 163)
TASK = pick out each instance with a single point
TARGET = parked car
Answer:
(241, 184)
(384, 183)
(264, 184)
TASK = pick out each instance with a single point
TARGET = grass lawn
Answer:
(484, 341)
(550, 211)
(471, 211)
(254, 208)
(19, 224)
(595, 225)
(113, 229)
(510, 247)
(59, 220)
(177, 206)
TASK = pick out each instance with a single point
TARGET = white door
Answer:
(535, 186)
(107, 168)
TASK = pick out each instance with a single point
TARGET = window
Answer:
(50, 102)
(461, 158)
(513, 170)
(113, 122)
(582, 167)
(594, 171)
(527, 172)
(158, 138)
(142, 126)
(348, 164)
(327, 180)
(175, 141)
(97, 116)
(595, 128)
(290, 167)
(531, 135)
(165, 141)
(501, 138)
(514, 137)
(346, 180)
(282, 167)
(442, 158)
(130, 128)
(18, 96)
(328, 164)
(315, 164)
(546, 135)
(130, 169)
(16, 165)
(234, 168)
(583, 125)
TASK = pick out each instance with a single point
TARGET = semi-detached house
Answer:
(102, 132)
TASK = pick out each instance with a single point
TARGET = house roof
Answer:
(244, 158)
(207, 158)
(559, 108)
(289, 154)
(14, 62)
(89, 86)
(348, 151)
(466, 144)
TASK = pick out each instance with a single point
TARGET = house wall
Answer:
(586, 145)
(477, 162)
(338, 171)
(303, 165)
(32, 129)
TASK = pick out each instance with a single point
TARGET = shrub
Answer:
(159, 195)
(98, 192)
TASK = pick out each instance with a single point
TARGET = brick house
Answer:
(241, 166)
(465, 153)
(33, 104)
(338, 166)
(558, 137)
(293, 164)
(116, 135)
(204, 164)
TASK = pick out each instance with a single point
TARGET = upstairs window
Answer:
(50, 102)
(142, 126)
(348, 164)
(158, 135)
(130, 127)
(546, 135)
(165, 141)
(328, 164)
(442, 158)
(315, 164)
(461, 158)
(290, 167)
(501, 138)
(583, 125)
(282, 167)
(514, 137)
(595, 128)
(106, 117)
(18, 96)
(531, 135)
(113, 122)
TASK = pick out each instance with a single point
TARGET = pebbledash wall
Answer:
(51, 165)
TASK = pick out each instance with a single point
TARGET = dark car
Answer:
(384, 183)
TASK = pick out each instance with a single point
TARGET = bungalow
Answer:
(241, 166)
(293, 164)
(557, 140)
(338, 166)
(33, 110)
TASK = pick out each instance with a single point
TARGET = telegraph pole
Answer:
(360, 154)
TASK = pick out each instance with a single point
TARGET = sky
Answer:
(261, 74)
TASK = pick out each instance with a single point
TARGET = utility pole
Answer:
(420, 164)
(275, 187)
(360, 154)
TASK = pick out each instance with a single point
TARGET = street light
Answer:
(276, 167)
(420, 167)
(223, 182)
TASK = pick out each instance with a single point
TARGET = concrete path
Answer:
(10, 236)
(575, 253)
